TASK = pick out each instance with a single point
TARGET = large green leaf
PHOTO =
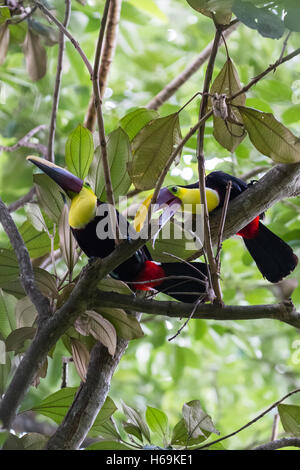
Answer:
(157, 421)
(135, 418)
(134, 121)
(37, 243)
(290, 418)
(228, 82)
(56, 405)
(271, 137)
(126, 325)
(119, 155)
(266, 22)
(151, 148)
(79, 151)
(49, 196)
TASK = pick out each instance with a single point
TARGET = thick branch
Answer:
(40, 302)
(89, 399)
(284, 311)
(280, 443)
(109, 47)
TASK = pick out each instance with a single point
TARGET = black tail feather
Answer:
(274, 258)
(185, 290)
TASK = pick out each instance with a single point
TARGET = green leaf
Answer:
(180, 436)
(7, 314)
(107, 410)
(292, 17)
(119, 155)
(34, 441)
(37, 243)
(16, 339)
(151, 148)
(4, 14)
(136, 419)
(157, 421)
(134, 121)
(67, 242)
(79, 151)
(4, 370)
(228, 82)
(290, 418)
(49, 196)
(25, 313)
(108, 445)
(264, 21)
(197, 420)
(270, 137)
(4, 42)
(221, 8)
(9, 268)
(35, 56)
(106, 429)
(35, 216)
(126, 325)
(133, 430)
(56, 405)
(150, 7)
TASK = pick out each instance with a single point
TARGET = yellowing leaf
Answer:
(270, 137)
(228, 82)
(81, 357)
(67, 242)
(4, 41)
(35, 56)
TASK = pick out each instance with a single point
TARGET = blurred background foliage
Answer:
(234, 368)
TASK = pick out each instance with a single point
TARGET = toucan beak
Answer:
(66, 180)
(165, 200)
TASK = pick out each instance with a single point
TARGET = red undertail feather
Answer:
(150, 272)
(251, 230)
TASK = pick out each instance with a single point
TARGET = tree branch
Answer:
(109, 47)
(284, 311)
(22, 201)
(183, 77)
(61, 51)
(40, 302)
(280, 443)
(24, 142)
(89, 399)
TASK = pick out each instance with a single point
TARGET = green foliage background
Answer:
(234, 368)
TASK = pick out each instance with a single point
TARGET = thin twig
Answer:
(201, 168)
(183, 77)
(188, 319)
(56, 93)
(62, 28)
(222, 223)
(22, 201)
(24, 142)
(261, 75)
(261, 415)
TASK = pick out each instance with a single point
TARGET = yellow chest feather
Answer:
(83, 208)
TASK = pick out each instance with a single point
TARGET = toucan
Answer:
(186, 282)
(274, 258)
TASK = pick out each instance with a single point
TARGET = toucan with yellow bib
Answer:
(184, 282)
(274, 258)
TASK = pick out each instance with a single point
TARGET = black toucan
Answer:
(274, 258)
(139, 270)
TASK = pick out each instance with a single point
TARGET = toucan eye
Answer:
(174, 189)
(88, 184)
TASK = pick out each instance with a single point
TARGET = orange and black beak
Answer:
(66, 180)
